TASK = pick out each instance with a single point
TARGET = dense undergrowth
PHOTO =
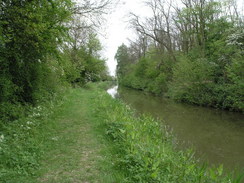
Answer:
(191, 81)
(39, 53)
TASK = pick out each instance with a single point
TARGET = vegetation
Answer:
(143, 149)
(22, 142)
(42, 51)
(192, 54)
(57, 142)
(48, 46)
(95, 138)
(38, 64)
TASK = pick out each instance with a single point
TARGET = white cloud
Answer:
(117, 30)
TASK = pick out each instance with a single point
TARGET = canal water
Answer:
(217, 136)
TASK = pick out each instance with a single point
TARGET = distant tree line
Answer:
(44, 45)
(192, 52)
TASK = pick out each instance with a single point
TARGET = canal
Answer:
(216, 136)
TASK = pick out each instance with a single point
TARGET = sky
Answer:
(117, 29)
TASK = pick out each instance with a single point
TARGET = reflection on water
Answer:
(113, 91)
(217, 136)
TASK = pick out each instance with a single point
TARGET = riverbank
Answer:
(146, 151)
(90, 137)
(215, 135)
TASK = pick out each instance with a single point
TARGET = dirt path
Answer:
(75, 153)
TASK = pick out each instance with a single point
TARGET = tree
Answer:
(158, 27)
(123, 60)
(193, 50)
(83, 49)
(31, 30)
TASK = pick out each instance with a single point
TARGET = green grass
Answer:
(77, 154)
(59, 142)
(90, 137)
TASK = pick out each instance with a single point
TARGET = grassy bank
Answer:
(90, 137)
